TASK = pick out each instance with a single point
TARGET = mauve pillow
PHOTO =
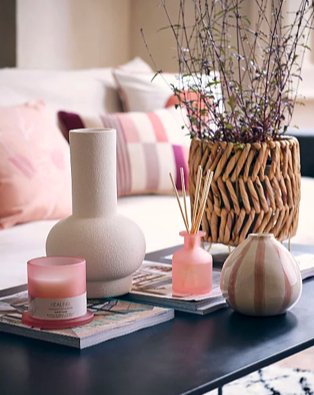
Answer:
(149, 146)
(35, 176)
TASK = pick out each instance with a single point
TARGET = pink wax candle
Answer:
(57, 292)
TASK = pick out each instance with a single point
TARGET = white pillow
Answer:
(144, 92)
(150, 91)
(137, 64)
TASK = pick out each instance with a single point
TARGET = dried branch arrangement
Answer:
(255, 65)
(202, 190)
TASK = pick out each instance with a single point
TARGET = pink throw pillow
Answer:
(35, 177)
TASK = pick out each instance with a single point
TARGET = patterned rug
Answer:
(272, 380)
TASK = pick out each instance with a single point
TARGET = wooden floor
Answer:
(302, 360)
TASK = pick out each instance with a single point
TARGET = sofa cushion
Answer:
(148, 91)
(136, 65)
(35, 181)
(92, 91)
(144, 91)
(149, 146)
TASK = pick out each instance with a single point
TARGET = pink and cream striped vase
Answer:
(260, 277)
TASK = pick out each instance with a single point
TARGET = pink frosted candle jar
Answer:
(56, 292)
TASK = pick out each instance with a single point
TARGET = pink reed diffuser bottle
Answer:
(192, 267)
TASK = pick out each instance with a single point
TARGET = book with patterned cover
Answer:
(113, 318)
(152, 282)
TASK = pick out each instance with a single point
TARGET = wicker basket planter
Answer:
(255, 188)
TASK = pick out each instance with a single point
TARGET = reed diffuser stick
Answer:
(184, 197)
(197, 193)
(199, 203)
(194, 225)
(208, 180)
(179, 203)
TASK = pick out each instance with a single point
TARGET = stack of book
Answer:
(112, 318)
(152, 283)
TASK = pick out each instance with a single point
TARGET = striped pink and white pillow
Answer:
(149, 146)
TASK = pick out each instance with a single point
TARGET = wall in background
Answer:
(150, 16)
(72, 34)
(67, 34)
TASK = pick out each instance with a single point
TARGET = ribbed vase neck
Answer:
(93, 168)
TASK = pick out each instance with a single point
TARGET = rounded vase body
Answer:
(192, 267)
(113, 245)
(260, 277)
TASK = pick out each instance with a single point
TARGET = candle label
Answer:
(57, 309)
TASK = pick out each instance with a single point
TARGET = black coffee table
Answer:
(189, 355)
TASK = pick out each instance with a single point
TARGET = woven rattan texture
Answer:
(255, 188)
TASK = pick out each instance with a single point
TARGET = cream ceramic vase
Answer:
(113, 245)
(260, 277)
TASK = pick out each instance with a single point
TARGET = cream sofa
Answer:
(94, 92)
